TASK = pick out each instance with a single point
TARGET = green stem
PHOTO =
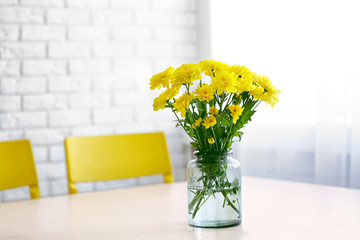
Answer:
(230, 98)
(199, 200)
(194, 200)
(222, 101)
(217, 147)
(197, 207)
(230, 202)
(205, 200)
(183, 126)
(187, 88)
(256, 104)
(199, 140)
(217, 101)
(228, 137)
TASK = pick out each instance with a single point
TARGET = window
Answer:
(310, 49)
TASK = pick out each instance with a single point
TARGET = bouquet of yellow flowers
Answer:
(214, 112)
(215, 102)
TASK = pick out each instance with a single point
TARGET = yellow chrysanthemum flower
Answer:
(204, 93)
(209, 122)
(211, 67)
(182, 103)
(241, 71)
(211, 140)
(265, 91)
(159, 103)
(258, 93)
(172, 92)
(162, 79)
(224, 82)
(161, 100)
(273, 98)
(197, 123)
(214, 111)
(245, 78)
(186, 74)
(236, 112)
(245, 85)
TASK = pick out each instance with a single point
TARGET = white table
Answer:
(271, 210)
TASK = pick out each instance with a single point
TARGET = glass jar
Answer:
(214, 190)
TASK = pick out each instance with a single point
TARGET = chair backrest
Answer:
(17, 167)
(100, 158)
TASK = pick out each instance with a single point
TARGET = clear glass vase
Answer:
(214, 190)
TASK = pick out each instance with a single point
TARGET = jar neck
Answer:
(212, 156)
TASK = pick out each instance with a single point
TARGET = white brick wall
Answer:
(69, 84)
(69, 50)
(44, 102)
(21, 15)
(82, 67)
(19, 50)
(9, 68)
(9, 32)
(42, 33)
(23, 120)
(10, 103)
(68, 16)
(23, 85)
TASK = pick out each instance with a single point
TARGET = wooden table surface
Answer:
(271, 210)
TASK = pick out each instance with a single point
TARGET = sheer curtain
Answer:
(310, 50)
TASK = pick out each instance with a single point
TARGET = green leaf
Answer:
(194, 144)
(201, 108)
(218, 132)
(223, 118)
(189, 130)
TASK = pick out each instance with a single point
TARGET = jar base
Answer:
(214, 224)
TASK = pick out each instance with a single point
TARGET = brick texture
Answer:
(82, 68)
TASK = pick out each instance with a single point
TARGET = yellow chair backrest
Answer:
(100, 158)
(17, 167)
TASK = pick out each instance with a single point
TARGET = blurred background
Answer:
(82, 67)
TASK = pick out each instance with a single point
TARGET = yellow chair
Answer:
(17, 167)
(100, 158)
